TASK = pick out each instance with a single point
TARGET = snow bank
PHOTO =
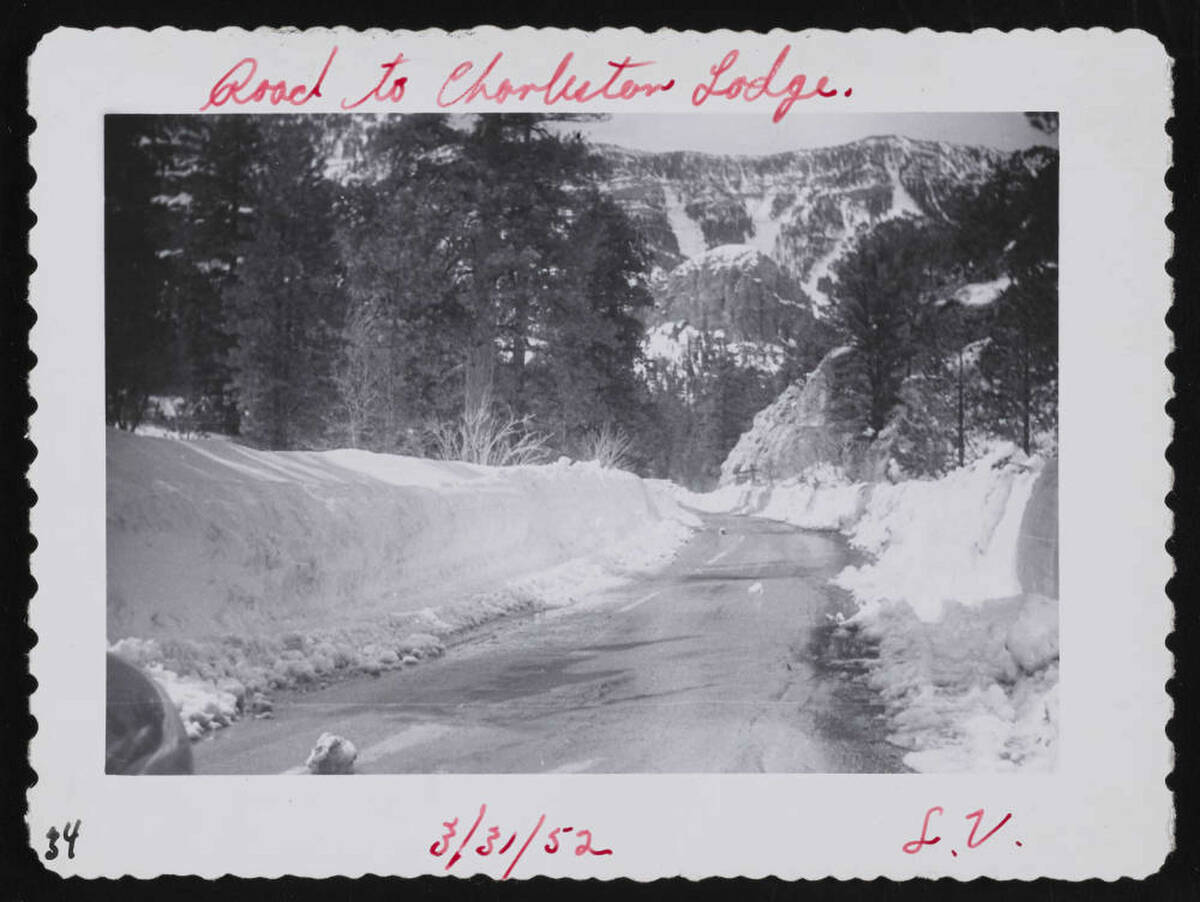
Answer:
(957, 694)
(931, 541)
(951, 539)
(202, 705)
(269, 570)
(1032, 640)
(817, 507)
(968, 644)
(209, 535)
(958, 595)
(820, 498)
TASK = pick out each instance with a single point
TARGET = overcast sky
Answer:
(753, 132)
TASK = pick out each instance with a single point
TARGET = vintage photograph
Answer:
(579, 443)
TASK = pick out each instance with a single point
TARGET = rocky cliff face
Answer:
(743, 249)
(801, 209)
(798, 430)
(735, 288)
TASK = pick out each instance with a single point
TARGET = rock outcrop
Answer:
(799, 430)
(737, 289)
(743, 252)
(801, 208)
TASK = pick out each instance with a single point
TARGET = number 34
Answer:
(70, 833)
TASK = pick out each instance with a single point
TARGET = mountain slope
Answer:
(801, 208)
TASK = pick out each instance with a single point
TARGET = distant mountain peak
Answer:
(801, 208)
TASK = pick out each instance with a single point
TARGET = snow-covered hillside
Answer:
(265, 569)
(802, 208)
(746, 251)
(743, 245)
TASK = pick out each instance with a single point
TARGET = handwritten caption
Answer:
(469, 84)
(569, 838)
(500, 842)
(69, 834)
(974, 840)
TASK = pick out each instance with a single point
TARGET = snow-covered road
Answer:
(721, 662)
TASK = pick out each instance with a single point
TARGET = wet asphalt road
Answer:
(720, 663)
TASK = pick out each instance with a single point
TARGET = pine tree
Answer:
(876, 295)
(216, 159)
(1021, 359)
(405, 238)
(191, 213)
(286, 304)
(589, 334)
(501, 276)
(529, 182)
(136, 286)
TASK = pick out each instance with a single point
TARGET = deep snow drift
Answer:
(959, 593)
(233, 571)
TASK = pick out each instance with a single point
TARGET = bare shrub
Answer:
(610, 446)
(481, 435)
(358, 377)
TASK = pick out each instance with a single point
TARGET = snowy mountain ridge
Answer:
(801, 208)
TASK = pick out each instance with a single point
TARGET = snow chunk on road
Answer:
(332, 754)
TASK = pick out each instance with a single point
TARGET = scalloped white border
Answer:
(1105, 813)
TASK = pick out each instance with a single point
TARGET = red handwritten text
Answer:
(383, 91)
(972, 842)
(555, 89)
(752, 89)
(914, 846)
(235, 86)
(493, 834)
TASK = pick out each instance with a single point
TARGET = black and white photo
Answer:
(528, 480)
(627, 443)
